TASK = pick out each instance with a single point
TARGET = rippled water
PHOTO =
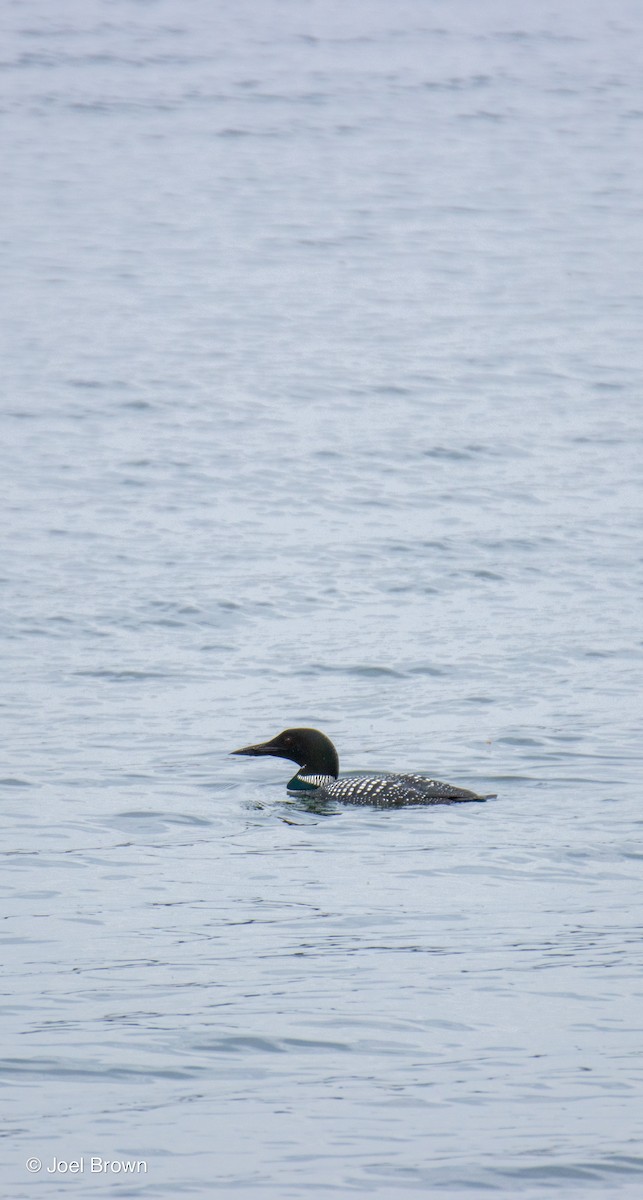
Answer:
(322, 395)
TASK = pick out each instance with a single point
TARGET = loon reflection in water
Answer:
(318, 774)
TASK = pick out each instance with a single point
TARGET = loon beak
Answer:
(264, 748)
(276, 746)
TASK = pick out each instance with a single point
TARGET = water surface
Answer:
(321, 406)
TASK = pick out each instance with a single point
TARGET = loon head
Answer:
(313, 752)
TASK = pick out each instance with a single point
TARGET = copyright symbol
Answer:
(34, 1164)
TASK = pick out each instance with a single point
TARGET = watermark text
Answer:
(94, 1165)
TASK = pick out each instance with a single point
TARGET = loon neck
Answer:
(305, 781)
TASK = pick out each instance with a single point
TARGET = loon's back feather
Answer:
(389, 789)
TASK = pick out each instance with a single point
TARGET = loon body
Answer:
(318, 774)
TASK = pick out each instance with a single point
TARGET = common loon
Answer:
(318, 773)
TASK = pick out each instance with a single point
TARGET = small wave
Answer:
(360, 670)
(124, 676)
(54, 1068)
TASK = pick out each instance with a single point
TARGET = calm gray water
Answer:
(322, 405)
